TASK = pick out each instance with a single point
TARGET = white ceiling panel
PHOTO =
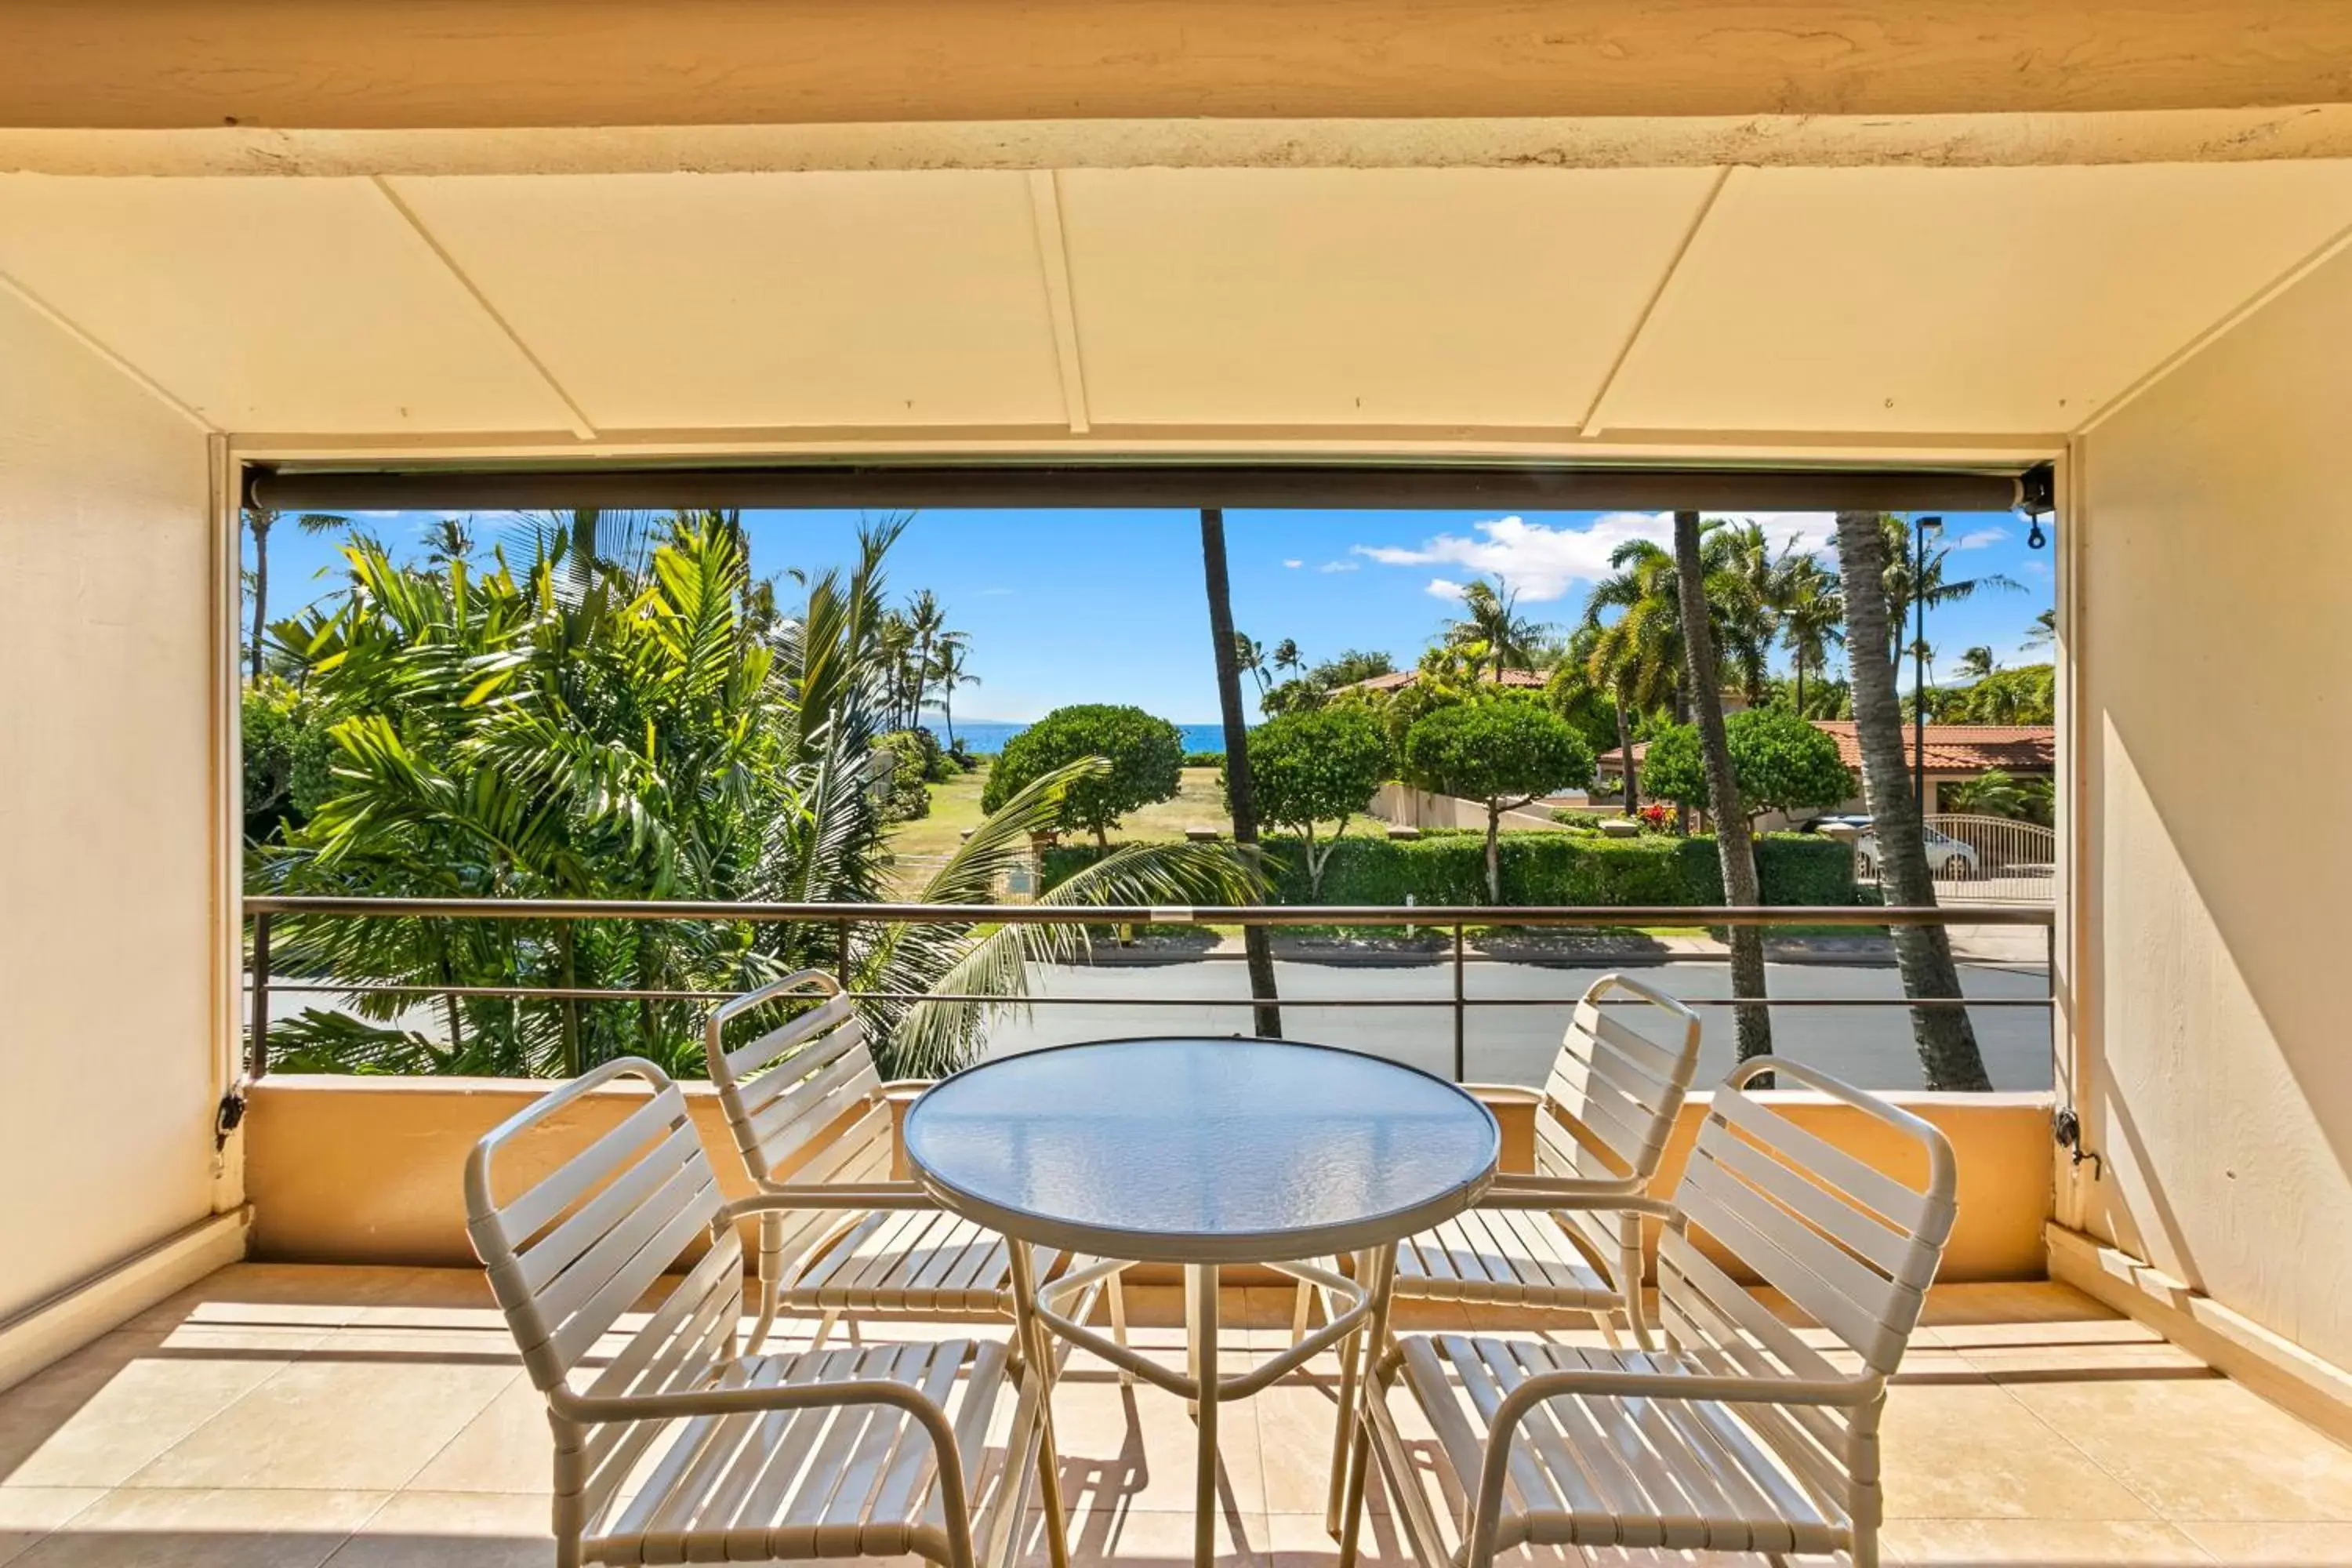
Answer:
(1933, 300)
(271, 304)
(683, 302)
(1350, 296)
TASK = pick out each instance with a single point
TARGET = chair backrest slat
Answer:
(1850, 1246)
(782, 1091)
(576, 1248)
(1620, 1085)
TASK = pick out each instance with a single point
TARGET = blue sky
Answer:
(1101, 606)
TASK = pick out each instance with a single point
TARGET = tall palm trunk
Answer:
(259, 522)
(1947, 1040)
(1801, 686)
(1733, 846)
(1632, 787)
(1256, 940)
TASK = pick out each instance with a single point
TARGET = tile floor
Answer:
(278, 1417)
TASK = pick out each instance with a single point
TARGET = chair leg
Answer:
(824, 1329)
(770, 1284)
(1304, 1295)
(856, 1338)
(1119, 1323)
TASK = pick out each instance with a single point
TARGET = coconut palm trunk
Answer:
(1947, 1040)
(1632, 787)
(258, 522)
(1255, 939)
(1733, 846)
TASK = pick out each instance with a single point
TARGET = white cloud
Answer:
(2034, 569)
(1438, 588)
(1541, 562)
(1977, 539)
(1294, 564)
(1340, 566)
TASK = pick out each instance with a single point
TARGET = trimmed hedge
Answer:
(1205, 759)
(1540, 867)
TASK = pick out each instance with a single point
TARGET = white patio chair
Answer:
(1738, 1435)
(670, 1446)
(809, 1110)
(1601, 1128)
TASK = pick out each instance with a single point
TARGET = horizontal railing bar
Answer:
(586, 993)
(1449, 915)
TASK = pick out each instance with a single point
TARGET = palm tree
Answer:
(1287, 657)
(1945, 1039)
(1249, 658)
(1232, 649)
(649, 739)
(1977, 664)
(260, 520)
(1763, 583)
(1933, 583)
(1641, 648)
(1812, 621)
(1733, 845)
(929, 622)
(1492, 633)
(948, 673)
(2045, 628)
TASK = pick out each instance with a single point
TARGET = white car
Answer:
(1948, 857)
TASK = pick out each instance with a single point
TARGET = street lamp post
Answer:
(1920, 530)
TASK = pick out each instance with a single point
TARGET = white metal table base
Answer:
(1361, 1305)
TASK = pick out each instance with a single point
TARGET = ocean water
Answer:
(987, 736)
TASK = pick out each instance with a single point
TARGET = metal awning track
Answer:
(910, 484)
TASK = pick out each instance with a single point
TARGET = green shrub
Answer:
(1779, 762)
(1145, 756)
(1316, 765)
(908, 799)
(1538, 868)
(1205, 759)
(1505, 754)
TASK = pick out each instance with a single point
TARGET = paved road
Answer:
(1868, 1047)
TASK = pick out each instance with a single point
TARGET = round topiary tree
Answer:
(1317, 765)
(1781, 762)
(1146, 756)
(1504, 753)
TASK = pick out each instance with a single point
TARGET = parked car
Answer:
(1951, 858)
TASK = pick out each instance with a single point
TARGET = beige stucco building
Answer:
(1958, 239)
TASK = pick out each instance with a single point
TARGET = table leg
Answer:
(1343, 1430)
(1036, 1347)
(1368, 1387)
(1201, 1279)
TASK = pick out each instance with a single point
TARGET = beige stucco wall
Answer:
(2212, 556)
(357, 1170)
(106, 812)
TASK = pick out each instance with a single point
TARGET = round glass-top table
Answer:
(1204, 1151)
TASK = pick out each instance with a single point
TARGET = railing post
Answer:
(1461, 1063)
(256, 1044)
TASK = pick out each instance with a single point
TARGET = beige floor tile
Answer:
(508, 1448)
(2272, 1545)
(1299, 1541)
(96, 1417)
(1134, 1448)
(451, 1529)
(28, 1513)
(329, 1422)
(1145, 1538)
(276, 1293)
(1297, 1420)
(205, 1529)
(2038, 1544)
(1972, 1451)
(2201, 1447)
(2012, 1306)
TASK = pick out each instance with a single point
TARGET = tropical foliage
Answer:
(560, 729)
(1502, 751)
(1781, 762)
(1144, 759)
(1319, 766)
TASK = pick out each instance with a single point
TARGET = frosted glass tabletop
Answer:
(1200, 1150)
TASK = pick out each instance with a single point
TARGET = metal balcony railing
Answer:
(1456, 921)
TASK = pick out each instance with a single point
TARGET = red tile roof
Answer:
(1526, 679)
(1951, 748)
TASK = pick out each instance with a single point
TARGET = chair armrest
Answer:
(1485, 1516)
(1510, 1193)
(793, 1396)
(829, 1195)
